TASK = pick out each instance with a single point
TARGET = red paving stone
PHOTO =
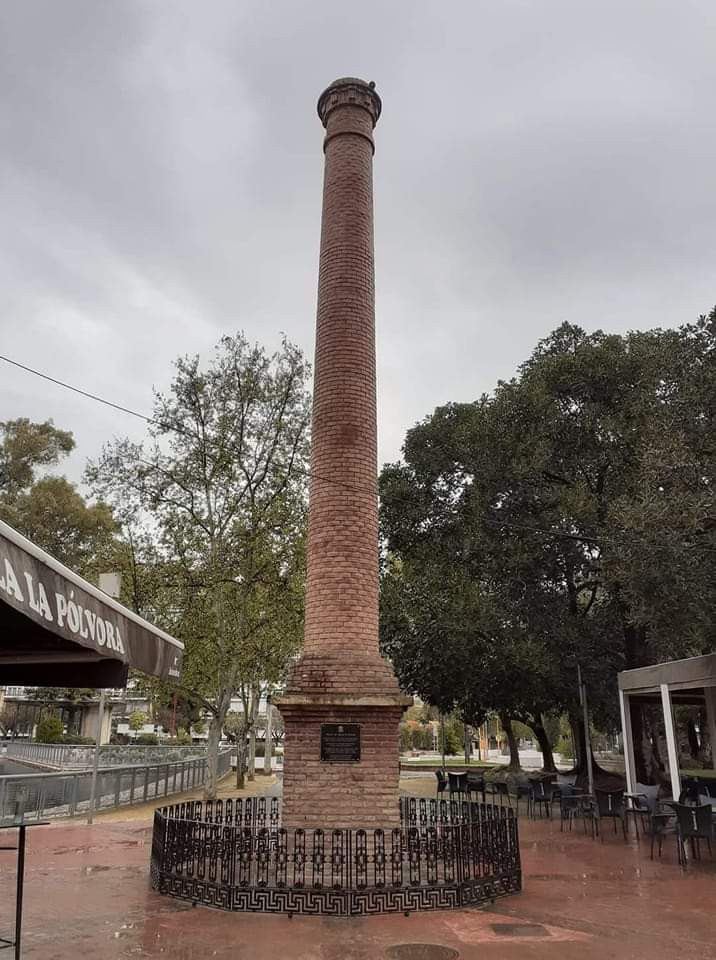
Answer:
(87, 896)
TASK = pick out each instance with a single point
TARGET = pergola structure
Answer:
(56, 629)
(689, 682)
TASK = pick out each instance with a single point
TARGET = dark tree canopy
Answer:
(567, 518)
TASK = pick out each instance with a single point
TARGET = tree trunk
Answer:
(252, 754)
(212, 757)
(241, 759)
(268, 734)
(255, 701)
(216, 726)
(506, 724)
(545, 746)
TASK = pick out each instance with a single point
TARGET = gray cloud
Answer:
(160, 182)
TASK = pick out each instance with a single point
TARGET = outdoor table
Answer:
(21, 826)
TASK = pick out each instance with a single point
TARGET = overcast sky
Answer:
(161, 168)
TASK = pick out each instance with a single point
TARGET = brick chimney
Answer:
(342, 704)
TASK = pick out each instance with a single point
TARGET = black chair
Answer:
(563, 781)
(523, 790)
(541, 796)
(457, 783)
(442, 781)
(609, 805)
(499, 790)
(574, 803)
(475, 785)
(694, 823)
(661, 822)
(642, 805)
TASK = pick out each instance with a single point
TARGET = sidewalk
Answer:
(87, 895)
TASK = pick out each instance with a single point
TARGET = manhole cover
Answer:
(421, 951)
(519, 929)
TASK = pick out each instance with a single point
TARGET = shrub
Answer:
(75, 738)
(50, 728)
(137, 720)
(147, 740)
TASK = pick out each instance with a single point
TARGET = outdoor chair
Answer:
(442, 782)
(693, 787)
(573, 803)
(694, 823)
(457, 783)
(541, 796)
(475, 785)
(642, 805)
(500, 790)
(661, 822)
(609, 805)
(523, 790)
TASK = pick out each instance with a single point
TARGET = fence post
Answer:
(75, 790)
(93, 787)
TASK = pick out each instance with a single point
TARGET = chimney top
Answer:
(349, 91)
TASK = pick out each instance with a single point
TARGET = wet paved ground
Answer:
(87, 896)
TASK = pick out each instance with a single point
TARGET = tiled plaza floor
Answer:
(87, 896)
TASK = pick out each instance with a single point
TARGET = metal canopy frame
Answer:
(677, 681)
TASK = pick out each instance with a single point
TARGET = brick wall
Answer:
(327, 795)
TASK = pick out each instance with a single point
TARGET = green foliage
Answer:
(522, 731)
(566, 519)
(49, 510)
(50, 728)
(454, 736)
(137, 719)
(147, 739)
(25, 446)
(222, 487)
(565, 742)
(416, 736)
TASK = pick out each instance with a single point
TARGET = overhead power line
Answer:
(491, 521)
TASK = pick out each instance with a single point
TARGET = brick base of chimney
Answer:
(362, 793)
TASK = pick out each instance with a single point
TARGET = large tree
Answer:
(580, 497)
(221, 486)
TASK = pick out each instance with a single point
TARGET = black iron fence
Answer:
(237, 856)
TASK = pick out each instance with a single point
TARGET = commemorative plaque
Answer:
(340, 742)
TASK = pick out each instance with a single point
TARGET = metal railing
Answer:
(44, 795)
(238, 857)
(67, 756)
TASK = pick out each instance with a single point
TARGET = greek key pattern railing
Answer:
(235, 855)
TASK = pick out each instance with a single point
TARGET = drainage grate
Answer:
(421, 951)
(520, 929)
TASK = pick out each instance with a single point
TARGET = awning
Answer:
(56, 629)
